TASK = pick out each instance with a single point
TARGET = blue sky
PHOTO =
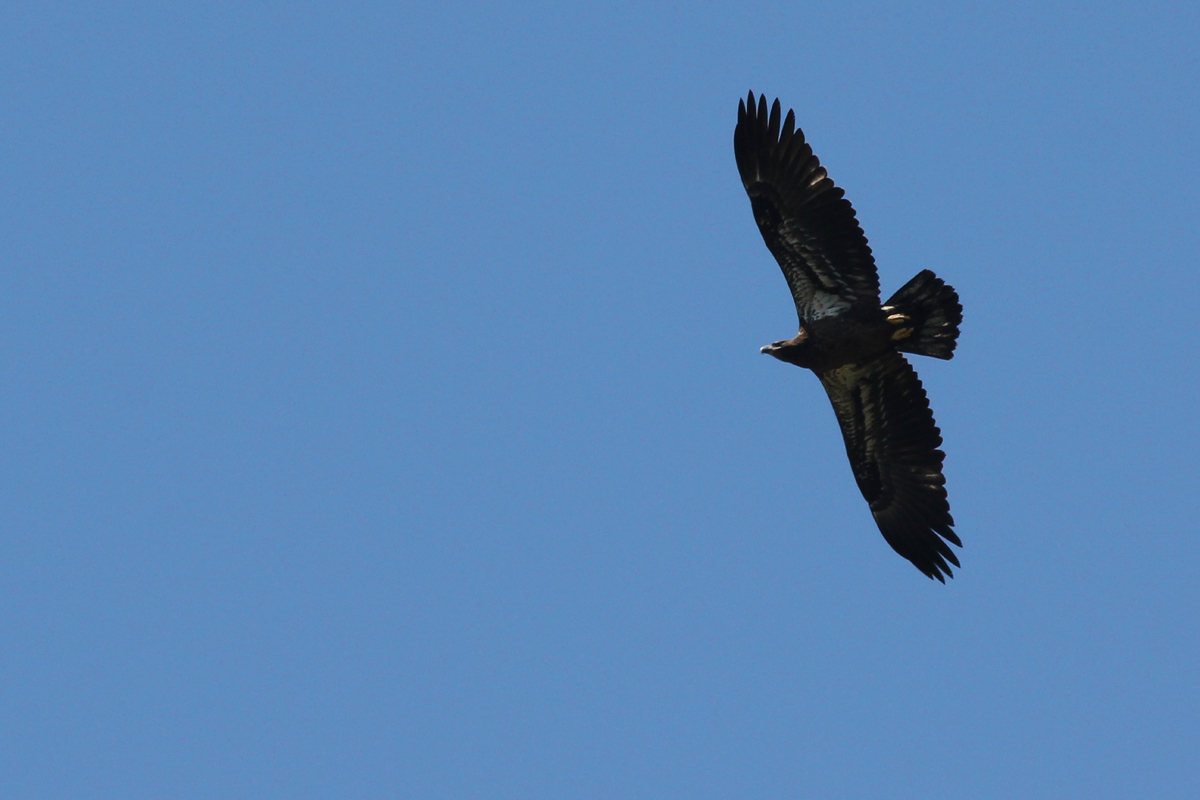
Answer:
(382, 412)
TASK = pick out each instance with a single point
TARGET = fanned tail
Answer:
(927, 314)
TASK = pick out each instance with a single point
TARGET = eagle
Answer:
(851, 341)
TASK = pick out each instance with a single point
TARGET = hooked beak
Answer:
(772, 348)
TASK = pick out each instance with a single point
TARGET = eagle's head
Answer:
(789, 350)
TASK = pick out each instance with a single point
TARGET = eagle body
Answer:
(830, 342)
(854, 343)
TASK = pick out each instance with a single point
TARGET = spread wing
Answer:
(892, 442)
(806, 221)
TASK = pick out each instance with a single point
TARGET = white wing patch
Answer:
(824, 304)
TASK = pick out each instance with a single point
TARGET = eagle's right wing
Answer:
(806, 221)
(892, 442)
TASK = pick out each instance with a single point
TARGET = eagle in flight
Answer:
(851, 341)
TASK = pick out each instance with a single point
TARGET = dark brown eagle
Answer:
(852, 342)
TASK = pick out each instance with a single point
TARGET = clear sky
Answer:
(382, 416)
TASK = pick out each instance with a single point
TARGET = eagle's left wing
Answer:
(892, 442)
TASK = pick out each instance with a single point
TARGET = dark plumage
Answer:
(849, 340)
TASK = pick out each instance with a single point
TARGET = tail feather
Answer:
(933, 315)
